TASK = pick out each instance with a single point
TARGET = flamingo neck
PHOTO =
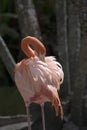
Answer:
(27, 50)
(38, 48)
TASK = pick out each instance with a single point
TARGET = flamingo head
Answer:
(32, 47)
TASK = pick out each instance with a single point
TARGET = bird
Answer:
(38, 77)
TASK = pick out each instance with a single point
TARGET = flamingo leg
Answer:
(43, 117)
(28, 117)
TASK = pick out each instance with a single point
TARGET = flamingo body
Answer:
(38, 78)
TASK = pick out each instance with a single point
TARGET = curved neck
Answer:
(29, 41)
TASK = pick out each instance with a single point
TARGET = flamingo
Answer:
(38, 77)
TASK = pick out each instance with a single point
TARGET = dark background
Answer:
(62, 27)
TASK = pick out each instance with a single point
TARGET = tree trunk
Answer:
(7, 58)
(73, 39)
(61, 16)
(80, 82)
(27, 18)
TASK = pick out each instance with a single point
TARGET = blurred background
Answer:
(62, 27)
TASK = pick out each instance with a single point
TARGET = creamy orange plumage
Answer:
(38, 77)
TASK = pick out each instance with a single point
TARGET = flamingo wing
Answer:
(56, 70)
(30, 75)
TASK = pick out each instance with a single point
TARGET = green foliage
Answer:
(8, 19)
(3, 5)
(9, 31)
(7, 6)
(11, 102)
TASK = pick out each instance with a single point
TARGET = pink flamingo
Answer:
(38, 77)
